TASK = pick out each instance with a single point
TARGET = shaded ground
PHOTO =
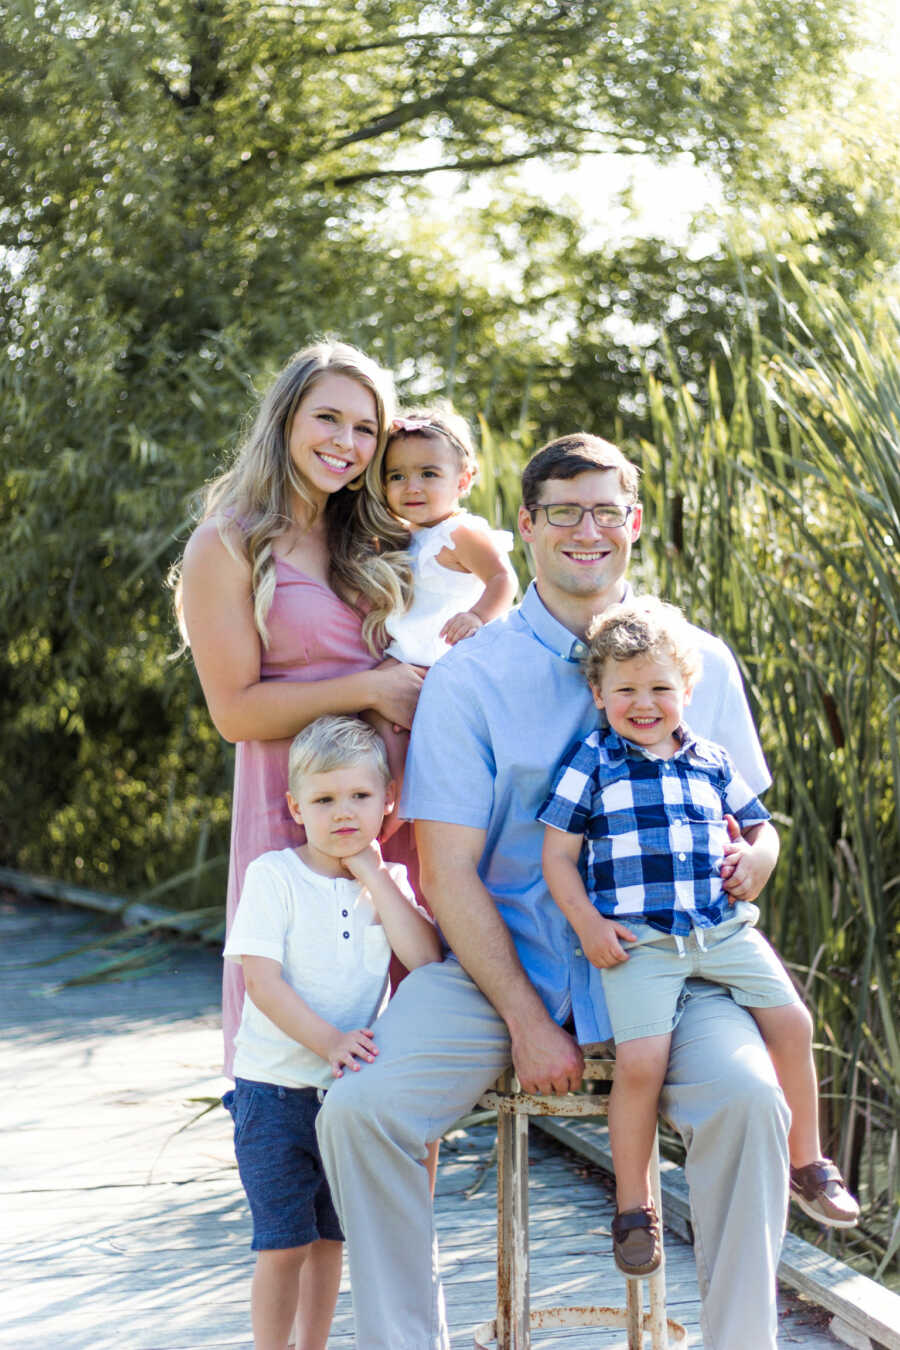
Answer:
(123, 1228)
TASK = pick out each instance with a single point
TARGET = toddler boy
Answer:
(663, 817)
(314, 931)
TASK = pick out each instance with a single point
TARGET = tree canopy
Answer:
(190, 191)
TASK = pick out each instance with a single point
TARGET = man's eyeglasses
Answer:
(607, 515)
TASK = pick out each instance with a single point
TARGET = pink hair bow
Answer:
(409, 424)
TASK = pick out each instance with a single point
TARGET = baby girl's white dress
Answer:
(438, 592)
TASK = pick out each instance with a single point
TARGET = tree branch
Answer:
(407, 39)
(404, 113)
(460, 166)
(400, 116)
(477, 165)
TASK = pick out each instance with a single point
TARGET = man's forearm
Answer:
(545, 1057)
(481, 942)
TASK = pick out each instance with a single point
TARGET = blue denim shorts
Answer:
(280, 1166)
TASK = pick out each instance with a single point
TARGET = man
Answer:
(494, 719)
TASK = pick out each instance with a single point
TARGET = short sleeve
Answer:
(502, 539)
(739, 798)
(450, 767)
(260, 924)
(568, 805)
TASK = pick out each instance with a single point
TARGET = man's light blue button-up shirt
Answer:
(495, 717)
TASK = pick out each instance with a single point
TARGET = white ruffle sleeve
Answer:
(438, 592)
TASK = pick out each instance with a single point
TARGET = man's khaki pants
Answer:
(440, 1045)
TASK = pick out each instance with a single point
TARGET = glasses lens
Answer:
(610, 515)
(564, 513)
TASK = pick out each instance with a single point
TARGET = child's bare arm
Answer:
(750, 859)
(477, 553)
(599, 936)
(412, 936)
(272, 995)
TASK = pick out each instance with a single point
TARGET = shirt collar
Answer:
(549, 631)
(692, 745)
(617, 747)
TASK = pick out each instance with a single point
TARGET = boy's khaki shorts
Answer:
(644, 993)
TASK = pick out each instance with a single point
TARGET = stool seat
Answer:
(511, 1329)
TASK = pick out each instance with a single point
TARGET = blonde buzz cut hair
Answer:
(333, 743)
(644, 626)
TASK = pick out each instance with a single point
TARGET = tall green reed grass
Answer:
(774, 520)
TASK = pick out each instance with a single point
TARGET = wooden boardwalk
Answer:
(122, 1228)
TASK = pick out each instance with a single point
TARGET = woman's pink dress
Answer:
(312, 636)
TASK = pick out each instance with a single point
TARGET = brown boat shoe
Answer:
(636, 1244)
(819, 1190)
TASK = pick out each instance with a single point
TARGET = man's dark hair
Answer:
(568, 456)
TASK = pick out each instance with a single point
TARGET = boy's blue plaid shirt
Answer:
(654, 828)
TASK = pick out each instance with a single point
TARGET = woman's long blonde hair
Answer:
(367, 565)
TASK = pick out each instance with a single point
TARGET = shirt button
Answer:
(346, 935)
(344, 913)
(579, 952)
(681, 857)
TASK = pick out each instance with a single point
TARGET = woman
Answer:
(285, 586)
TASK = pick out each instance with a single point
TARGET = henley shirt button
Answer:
(344, 913)
(346, 935)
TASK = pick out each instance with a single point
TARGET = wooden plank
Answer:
(865, 1306)
(123, 1229)
(130, 912)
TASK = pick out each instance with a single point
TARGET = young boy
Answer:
(314, 932)
(663, 818)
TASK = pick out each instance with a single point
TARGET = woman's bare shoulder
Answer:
(212, 544)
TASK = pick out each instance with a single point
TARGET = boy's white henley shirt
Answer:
(333, 951)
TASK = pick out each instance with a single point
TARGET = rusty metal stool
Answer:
(511, 1329)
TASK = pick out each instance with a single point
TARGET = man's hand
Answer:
(747, 866)
(600, 940)
(547, 1059)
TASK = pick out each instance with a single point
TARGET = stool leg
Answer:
(505, 1174)
(659, 1335)
(521, 1249)
(513, 1327)
(634, 1313)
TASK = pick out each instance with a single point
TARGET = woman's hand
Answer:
(396, 743)
(397, 688)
